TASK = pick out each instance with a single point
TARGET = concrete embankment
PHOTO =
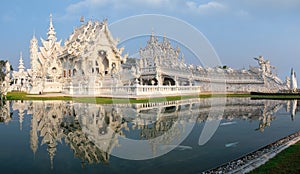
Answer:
(257, 158)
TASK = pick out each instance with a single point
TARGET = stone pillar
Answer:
(158, 77)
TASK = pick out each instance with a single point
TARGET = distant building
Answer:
(20, 78)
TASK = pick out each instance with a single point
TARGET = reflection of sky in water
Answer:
(67, 133)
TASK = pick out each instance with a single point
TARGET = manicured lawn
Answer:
(278, 97)
(288, 161)
(24, 96)
(101, 100)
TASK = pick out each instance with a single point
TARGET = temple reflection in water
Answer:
(93, 131)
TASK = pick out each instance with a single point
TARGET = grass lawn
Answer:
(101, 100)
(288, 161)
(24, 96)
(278, 97)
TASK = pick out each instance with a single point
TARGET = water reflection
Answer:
(93, 132)
(5, 114)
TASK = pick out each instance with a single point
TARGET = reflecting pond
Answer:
(184, 136)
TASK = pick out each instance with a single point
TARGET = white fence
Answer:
(133, 91)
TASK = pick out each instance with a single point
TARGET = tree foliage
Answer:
(3, 70)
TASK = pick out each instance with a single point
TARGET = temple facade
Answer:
(90, 63)
(89, 58)
(46, 68)
(158, 62)
(161, 64)
(20, 78)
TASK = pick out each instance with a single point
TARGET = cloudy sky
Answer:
(238, 29)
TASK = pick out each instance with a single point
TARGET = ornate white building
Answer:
(160, 64)
(90, 63)
(89, 57)
(46, 69)
(20, 78)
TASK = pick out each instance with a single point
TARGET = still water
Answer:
(185, 136)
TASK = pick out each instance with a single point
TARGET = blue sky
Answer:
(238, 29)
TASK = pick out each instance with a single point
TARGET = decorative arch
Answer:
(168, 81)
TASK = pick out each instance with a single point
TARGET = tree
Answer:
(3, 70)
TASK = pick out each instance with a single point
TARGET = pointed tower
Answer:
(51, 31)
(34, 48)
(293, 80)
(166, 42)
(152, 39)
(21, 64)
(35, 67)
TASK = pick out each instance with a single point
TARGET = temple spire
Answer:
(51, 31)
(152, 39)
(293, 81)
(166, 42)
(21, 64)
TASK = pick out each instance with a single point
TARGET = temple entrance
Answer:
(168, 81)
(104, 61)
(152, 82)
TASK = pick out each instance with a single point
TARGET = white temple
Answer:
(46, 69)
(90, 63)
(20, 77)
(89, 58)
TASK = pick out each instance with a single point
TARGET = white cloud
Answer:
(274, 3)
(86, 4)
(92, 4)
(209, 7)
(175, 6)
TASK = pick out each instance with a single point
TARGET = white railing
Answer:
(136, 90)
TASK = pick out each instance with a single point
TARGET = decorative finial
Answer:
(50, 17)
(51, 31)
(21, 64)
(82, 19)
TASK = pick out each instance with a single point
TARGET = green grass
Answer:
(24, 96)
(288, 161)
(101, 100)
(280, 97)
